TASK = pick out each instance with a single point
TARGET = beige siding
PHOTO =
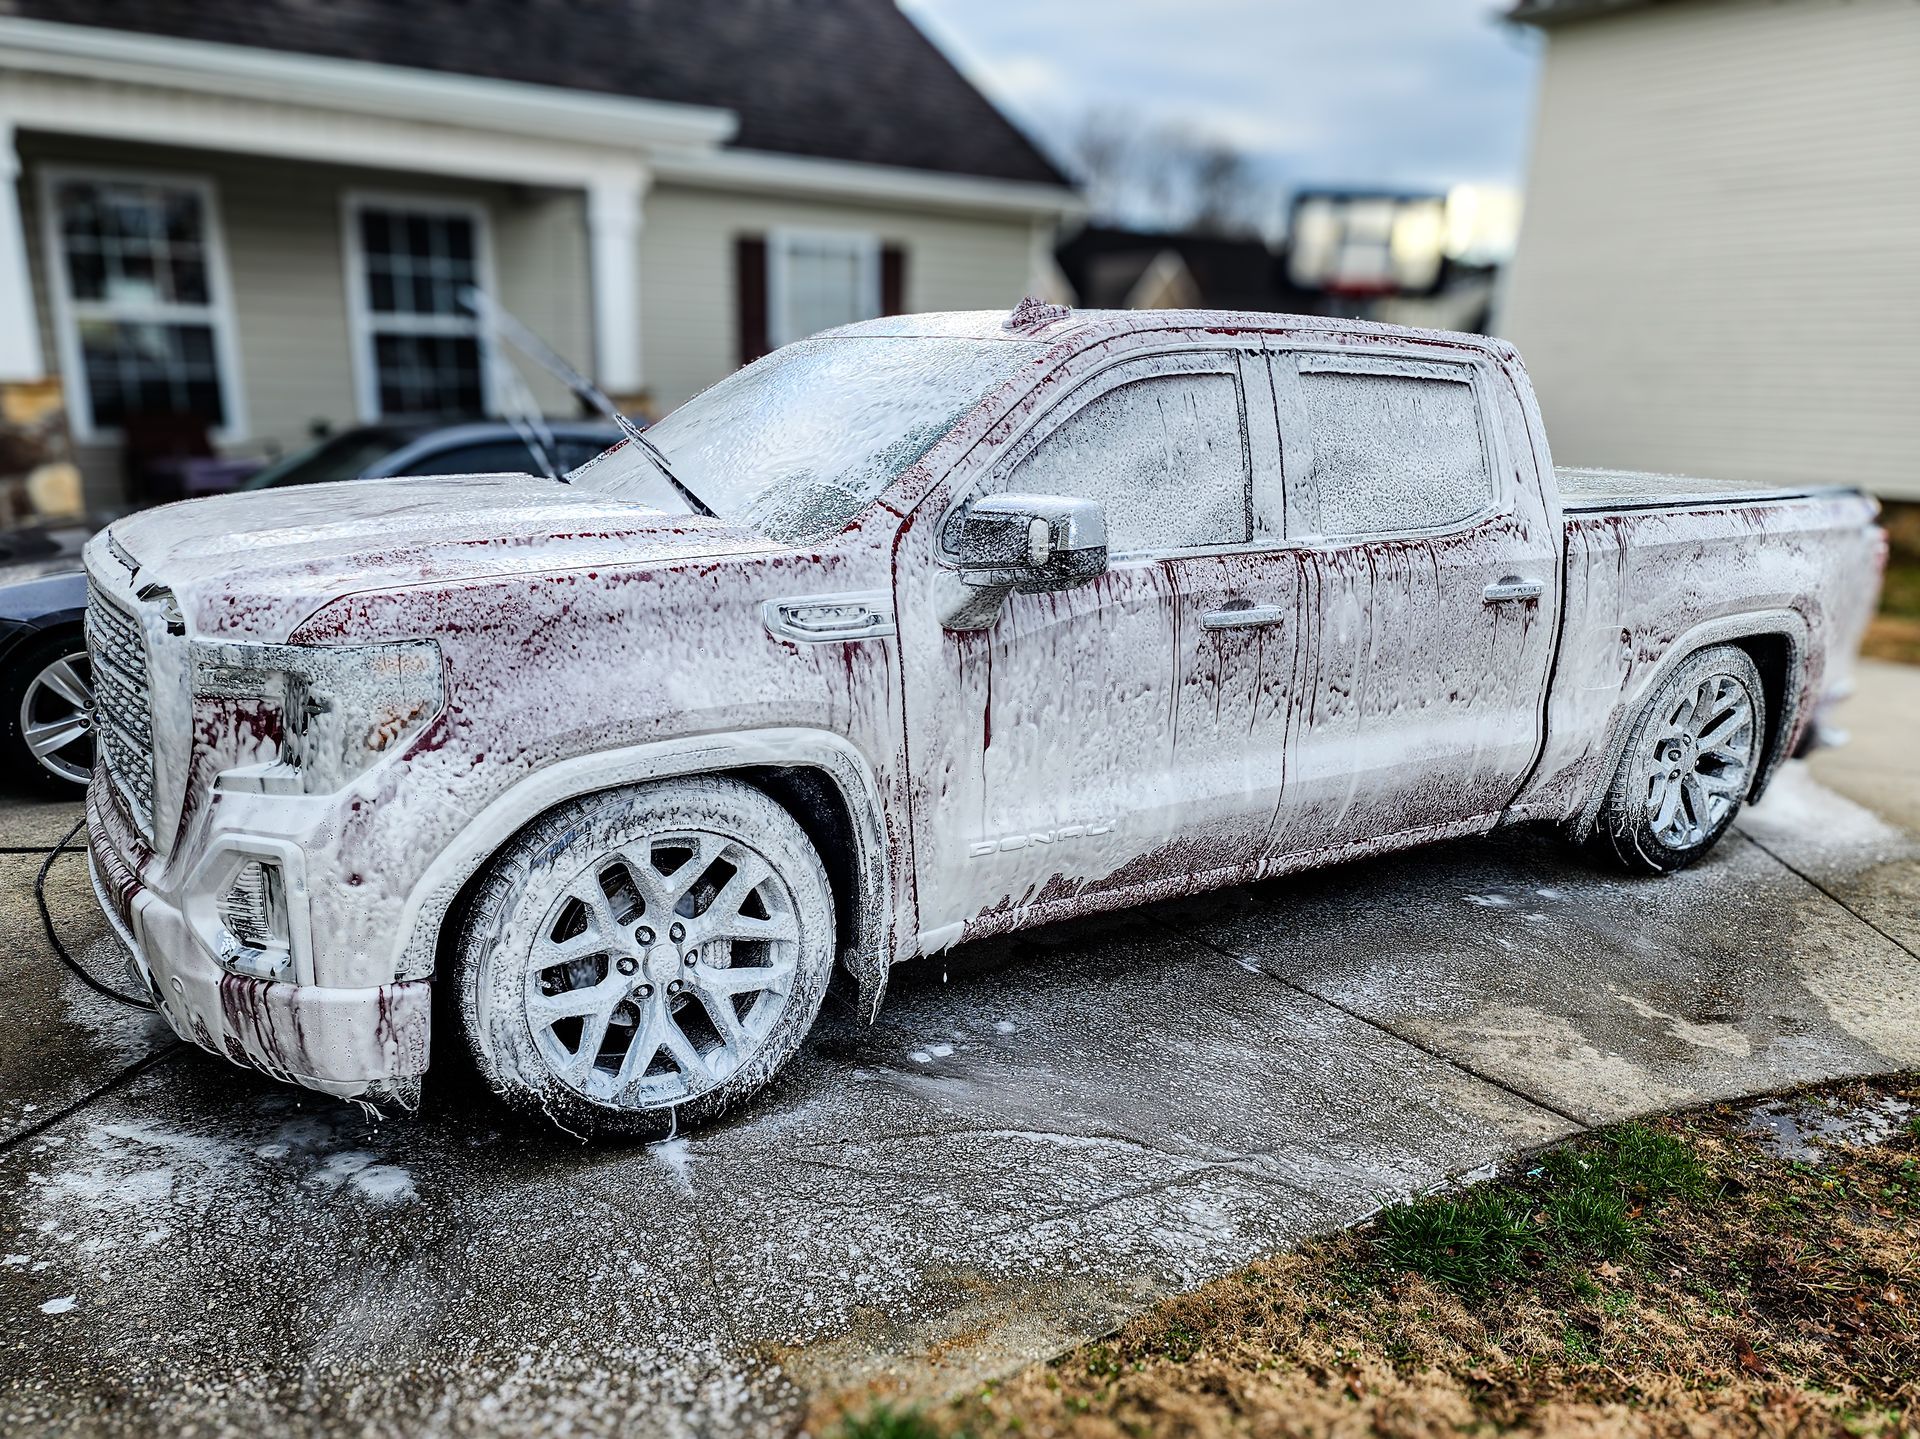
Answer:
(690, 324)
(1720, 266)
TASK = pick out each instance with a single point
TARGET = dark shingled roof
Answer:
(839, 79)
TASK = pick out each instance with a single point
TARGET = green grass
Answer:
(883, 1421)
(1585, 1203)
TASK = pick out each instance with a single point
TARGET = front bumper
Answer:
(370, 1043)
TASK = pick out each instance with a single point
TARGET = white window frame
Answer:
(866, 247)
(69, 312)
(363, 325)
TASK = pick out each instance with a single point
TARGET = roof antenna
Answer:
(495, 316)
(1033, 312)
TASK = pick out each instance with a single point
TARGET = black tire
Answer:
(537, 936)
(1663, 762)
(27, 665)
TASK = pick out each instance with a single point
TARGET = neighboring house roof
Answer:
(835, 79)
(1548, 12)
(1111, 268)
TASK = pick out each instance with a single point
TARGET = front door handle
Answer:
(1247, 617)
(1512, 588)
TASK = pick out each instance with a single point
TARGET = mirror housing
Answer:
(1029, 544)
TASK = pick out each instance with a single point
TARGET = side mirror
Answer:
(1031, 544)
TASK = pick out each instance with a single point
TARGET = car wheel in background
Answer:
(1689, 763)
(46, 713)
(645, 957)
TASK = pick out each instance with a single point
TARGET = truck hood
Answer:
(254, 565)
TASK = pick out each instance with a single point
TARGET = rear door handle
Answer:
(1512, 588)
(1247, 617)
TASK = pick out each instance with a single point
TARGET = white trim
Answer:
(866, 247)
(363, 325)
(615, 214)
(805, 176)
(20, 355)
(358, 86)
(67, 312)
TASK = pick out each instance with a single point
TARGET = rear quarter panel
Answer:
(1646, 587)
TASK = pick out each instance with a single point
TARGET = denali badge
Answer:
(980, 849)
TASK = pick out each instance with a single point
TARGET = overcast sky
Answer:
(1410, 94)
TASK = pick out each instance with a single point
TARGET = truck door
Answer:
(1429, 580)
(1093, 741)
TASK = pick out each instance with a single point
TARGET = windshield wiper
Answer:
(492, 313)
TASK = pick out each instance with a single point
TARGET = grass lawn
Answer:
(1895, 632)
(1683, 1276)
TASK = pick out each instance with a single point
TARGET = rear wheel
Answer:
(646, 957)
(1689, 763)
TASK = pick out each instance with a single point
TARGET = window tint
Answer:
(1166, 457)
(489, 458)
(1393, 452)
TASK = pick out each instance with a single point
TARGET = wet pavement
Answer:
(1040, 1136)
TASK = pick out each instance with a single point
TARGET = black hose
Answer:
(46, 920)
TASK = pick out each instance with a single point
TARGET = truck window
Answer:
(1166, 456)
(1391, 451)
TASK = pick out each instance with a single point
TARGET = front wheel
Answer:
(646, 957)
(1689, 763)
(46, 714)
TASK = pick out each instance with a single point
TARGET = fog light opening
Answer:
(253, 912)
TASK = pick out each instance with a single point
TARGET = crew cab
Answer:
(920, 630)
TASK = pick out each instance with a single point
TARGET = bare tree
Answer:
(1166, 175)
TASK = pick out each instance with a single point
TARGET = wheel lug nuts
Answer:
(674, 988)
(690, 959)
(677, 933)
(644, 935)
(645, 991)
(629, 965)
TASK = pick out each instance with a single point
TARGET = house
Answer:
(1719, 266)
(258, 214)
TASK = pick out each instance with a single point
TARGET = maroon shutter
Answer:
(893, 280)
(750, 294)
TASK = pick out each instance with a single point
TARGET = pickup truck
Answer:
(916, 631)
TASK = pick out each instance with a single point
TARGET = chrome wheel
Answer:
(661, 969)
(56, 717)
(1699, 761)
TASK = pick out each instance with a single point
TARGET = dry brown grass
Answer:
(1772, 1299)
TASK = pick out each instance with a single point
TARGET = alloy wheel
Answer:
(661, 969)
(56, 717)
(1700, 761)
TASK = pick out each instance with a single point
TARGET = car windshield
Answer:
(800, 442)
(344, 456)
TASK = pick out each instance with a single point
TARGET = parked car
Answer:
(432, 447)
(46, 695)
(970, 622)
(45, 681)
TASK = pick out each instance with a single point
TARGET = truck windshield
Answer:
(800, 442)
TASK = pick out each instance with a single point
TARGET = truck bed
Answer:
(1584, 491)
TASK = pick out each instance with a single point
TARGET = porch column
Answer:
(20, 358)
(614, 217)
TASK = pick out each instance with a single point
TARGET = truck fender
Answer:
(1787, 625)
(865, 952)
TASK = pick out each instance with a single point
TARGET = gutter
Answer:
(358, 86)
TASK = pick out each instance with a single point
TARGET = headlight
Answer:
(341, 709)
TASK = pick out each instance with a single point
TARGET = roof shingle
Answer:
(837, 79)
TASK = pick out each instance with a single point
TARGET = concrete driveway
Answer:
(1039, 1136)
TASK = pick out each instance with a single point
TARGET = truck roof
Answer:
(1034, 322)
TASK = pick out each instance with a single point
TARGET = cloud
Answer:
(1409, 93)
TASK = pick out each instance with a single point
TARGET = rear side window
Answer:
(1391, 450)
(1165, 456)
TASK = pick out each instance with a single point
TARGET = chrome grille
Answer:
(122, 700)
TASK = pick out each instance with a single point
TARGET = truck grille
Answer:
(123, 713)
